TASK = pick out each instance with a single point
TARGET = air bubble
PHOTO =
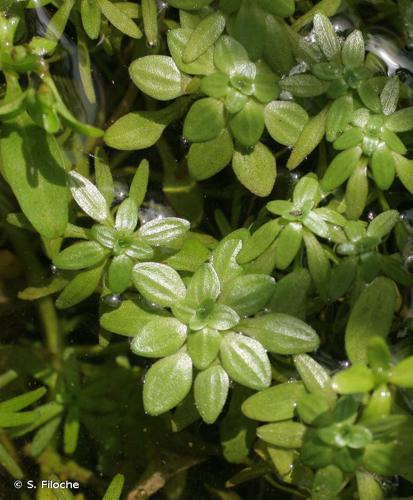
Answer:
(113, 300)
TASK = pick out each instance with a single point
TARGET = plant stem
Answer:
(23, 246)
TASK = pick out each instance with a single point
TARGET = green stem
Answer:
(23, 246)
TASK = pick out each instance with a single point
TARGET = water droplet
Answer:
(113, 301)
(342, 25)
(53, 269)
(120, 191)
(151, 210)
(371, 215)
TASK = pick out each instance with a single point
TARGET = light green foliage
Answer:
(179, 313)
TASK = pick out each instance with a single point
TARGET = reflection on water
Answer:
(69, 82)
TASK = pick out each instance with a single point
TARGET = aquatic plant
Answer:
(176, 328)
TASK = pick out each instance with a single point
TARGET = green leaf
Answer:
(288, 244)
(115, 488)
(277, 35)
(248, 294)
(88, 197)
(369, 96)
(389, 96)
(167, 383)
(357, 191)
(318, 263)
(126, 216)
(237, 432)
(356, 379)
(119, 19)
(211, 390)
(222, 317)
(128, 319)
(225, 259)
(33, 293)
(281, 333)
(14, 419)
(203, 347)
(138, 130)
(204, 36)
(215, 85)
(81, 287)
(91, 18)
(206, 159)
(119, 273)
(340, 169)
(189, 4)
(150, 21)
(275, 403)
(312, 406)
(341, 278)
(139, 185)
(383, 224)
(402, 373)
(257, 170)
(9, 464)
(328, 483)
(326, 37)
(19, 402)
(158, 283)
(309, 139)
(316, 224)
(339, 116)
(59, 20)
(315, 377)
(353, 51)
(247, 125)
(162, 232)
(371, 315)
(192, 254)
(303, 85)
(290, 293)
(404, 169)
(103, 176)
(382, 458)
(368, 487)
(401, 121)
(284, 434)
(178, 40)
(260, 240)
(71, 430)
(285, 121)
(44, 435)
(383, 167)
(38, 180)
(157, 76)
(159, 338)
(204, 285)
(281, 8)
(249, 28)
(205, 120)
(246, 361)
(80, 255)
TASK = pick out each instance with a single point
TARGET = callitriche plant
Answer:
(173, 328)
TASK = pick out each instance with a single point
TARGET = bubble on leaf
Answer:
(53, 269)
(383, 44)
(154, 209)
(113, 300)
(371, 215)
(120, 191)
(299, 68)
(342, 25)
